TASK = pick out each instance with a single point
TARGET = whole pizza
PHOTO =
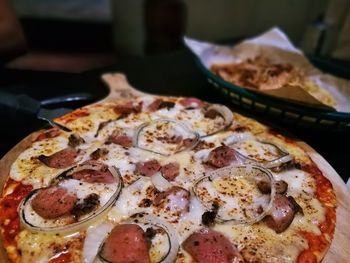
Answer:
(147, 178)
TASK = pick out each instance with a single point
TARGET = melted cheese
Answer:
(41, 247)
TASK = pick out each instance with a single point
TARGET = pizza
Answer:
(148, 178)
(262, 73)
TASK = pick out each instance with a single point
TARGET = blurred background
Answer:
(143, 27)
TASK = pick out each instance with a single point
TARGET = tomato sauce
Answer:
(324, 189)
(51, 133)
(326, 195)
(9, 219)
(74, 115)
(63, 257)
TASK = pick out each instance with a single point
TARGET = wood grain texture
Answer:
(339, 251)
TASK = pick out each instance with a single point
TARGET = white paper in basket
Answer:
(276, 45)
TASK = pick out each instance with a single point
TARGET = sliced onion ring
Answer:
(247, 171)
(147, 219)
(285, 157)
(160, 182)
(194, 136)
(237, 137)
(226, 114)
(100, 212)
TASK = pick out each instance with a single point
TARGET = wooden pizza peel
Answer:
(339, 251)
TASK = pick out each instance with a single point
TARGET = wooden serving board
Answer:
(339, 251)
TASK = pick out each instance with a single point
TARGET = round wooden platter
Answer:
(339, 251)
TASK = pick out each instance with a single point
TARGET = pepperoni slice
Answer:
(170, 171)
(126, 244)
(53, 202)
(210, 246)
(128, 107)
(60, 159)
(222, 156)
(282, 214)
(148, 168)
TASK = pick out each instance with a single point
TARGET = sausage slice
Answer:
(128, 107)
(282, 214)
(99, 175)
(148, 168)
(192, 103)
(60, 159)
(170, 171)
(126, 244)
(222, 156)
(210, 246)
(53, 202)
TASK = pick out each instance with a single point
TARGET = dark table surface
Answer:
(169, 74)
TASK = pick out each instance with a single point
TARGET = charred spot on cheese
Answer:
(101, 125)
(87, 205)
(99, 153)
(61, 177)
(208, 217)
(239, 128)
(297, 208)
(150, 233)
(203, 145)
(75, 140)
